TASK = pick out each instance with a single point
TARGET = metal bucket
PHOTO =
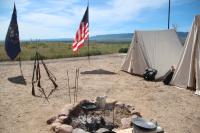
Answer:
(101, 102)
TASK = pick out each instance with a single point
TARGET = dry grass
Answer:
(55, 50)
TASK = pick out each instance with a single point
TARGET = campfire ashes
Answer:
(91, 116)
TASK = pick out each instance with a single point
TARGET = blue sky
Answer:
(44, 19)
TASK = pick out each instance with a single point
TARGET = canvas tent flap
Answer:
(156, 49)
(187, 73)
(198, 67)
(135, 50)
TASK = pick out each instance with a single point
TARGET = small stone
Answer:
(102, 130)
(131, 109)
(129, 130)
(61, 115)
(58, 121)
(120, 104)
(62, 118)
(55, 125)
(126, 122)
(79, 130)
(64, 129)
(51, 120)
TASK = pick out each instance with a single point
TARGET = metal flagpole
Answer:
(88, 36)
(169, 15)
(20, 66)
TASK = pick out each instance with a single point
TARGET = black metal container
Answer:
(141, 125)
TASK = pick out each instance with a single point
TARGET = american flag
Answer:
(82, 34)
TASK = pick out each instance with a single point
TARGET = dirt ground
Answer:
(177, 110)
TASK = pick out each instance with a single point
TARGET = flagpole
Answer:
(20, 65)
(19, 58)
(88, 36)
(169, 14)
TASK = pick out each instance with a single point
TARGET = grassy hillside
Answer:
(127, 37)
(53, 50)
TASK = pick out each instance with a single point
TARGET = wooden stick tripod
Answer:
(36, 77)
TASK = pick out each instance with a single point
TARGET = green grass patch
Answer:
(123, 50)
(55, 50)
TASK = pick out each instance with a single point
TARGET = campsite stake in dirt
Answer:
(77, 76)
(68, 86)
(75, 90)
(76, 85)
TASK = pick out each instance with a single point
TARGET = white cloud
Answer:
(121, 10)
(46, 20)
(22, 5)
(60, 18)
(4, 24)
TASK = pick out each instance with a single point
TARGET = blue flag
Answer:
(12, 44)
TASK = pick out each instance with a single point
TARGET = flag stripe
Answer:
(82, 33)
(77, 45)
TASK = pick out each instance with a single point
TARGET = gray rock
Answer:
(64, 129)
(55, 125)
(126, 122)
(119, 105)
(79, 130)
(51, 120)
(101, 130)
(58, 121)
(62, 118)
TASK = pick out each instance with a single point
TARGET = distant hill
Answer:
(126, 37)
(57, 40)
(182, 36)
(122, 37)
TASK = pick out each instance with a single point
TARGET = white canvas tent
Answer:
(187, 73)
(153, 49)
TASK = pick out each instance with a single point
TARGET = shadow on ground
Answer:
(17, 80)
(98, 71)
